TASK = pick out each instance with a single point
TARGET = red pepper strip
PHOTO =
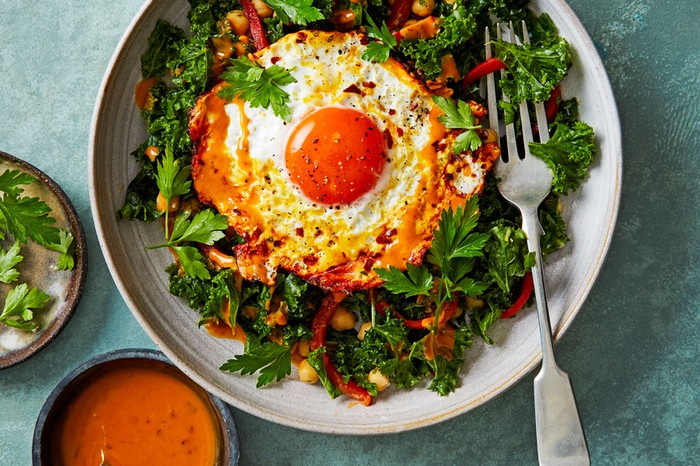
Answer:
(422, 324)
(400, 11)
(551, 108)
(319, 327)
(482, 69)
(350, 388)
(525, 292)
(321, 321)
(256, 28)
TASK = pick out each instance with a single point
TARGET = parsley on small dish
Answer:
(42, 259)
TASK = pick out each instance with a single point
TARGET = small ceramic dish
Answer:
(59, 424)
(38, 269)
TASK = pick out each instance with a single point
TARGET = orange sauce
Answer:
(141, 92)
(138, 416)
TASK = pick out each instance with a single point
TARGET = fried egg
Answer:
(356, 179)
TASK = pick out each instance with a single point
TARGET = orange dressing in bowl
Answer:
(142, 415)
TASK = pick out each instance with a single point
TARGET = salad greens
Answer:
(418, 325)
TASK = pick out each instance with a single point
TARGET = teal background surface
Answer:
(632, 352)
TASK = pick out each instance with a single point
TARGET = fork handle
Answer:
(560, 437)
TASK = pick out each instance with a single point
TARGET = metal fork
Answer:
(525, 181)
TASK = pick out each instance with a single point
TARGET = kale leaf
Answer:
(162, 44)
(568, 153)
(455, 31)
(533, 69)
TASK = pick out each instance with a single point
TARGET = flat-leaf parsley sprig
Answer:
(172, 180)
(453, 252)
(386, 42)
(260, 87)
(205, 227)
(8, 260)
(459, 116)
(27, 218)
(272, 360)
(20, 304)
(300, 12)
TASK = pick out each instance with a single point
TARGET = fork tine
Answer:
(525, 125)
(491, 88)
(542, 125)
(511, 139)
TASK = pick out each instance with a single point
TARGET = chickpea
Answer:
(491, 136)
(473, 303)
(238, 21)
(262, 9)
(379, 379)
(303, 348)
(307, 374)
(363, 329)
(343, 319)
(161, 201)
(344, 19)
(423, 8)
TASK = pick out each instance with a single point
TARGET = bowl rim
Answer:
(78, 278)
(221, 409)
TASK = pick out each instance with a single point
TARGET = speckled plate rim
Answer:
(384, 422)
(124, 354)
(79, 273)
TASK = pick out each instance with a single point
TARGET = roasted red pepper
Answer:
(400, 11)
(551, 108)
(482, 69)
(418, 324)
(322, 320)
(319, 327)
(350, 388)
(256, 28)
(525, 292)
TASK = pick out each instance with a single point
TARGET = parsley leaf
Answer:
(453, 251)
(172, 181)
(260, 87)
(459, 116)
(378, 51)
(453, 238)
(65, 260)
(11, 180)
(191, 261)
(19, 307)
(28, 218)
(418, 281)
(300, 12)
(272, 360)
(8, 260)
(207, 228)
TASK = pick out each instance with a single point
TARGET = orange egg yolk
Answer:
(335, 155)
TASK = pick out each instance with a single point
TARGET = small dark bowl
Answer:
(50, 414)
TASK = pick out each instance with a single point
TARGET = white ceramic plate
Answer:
(590, 213)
